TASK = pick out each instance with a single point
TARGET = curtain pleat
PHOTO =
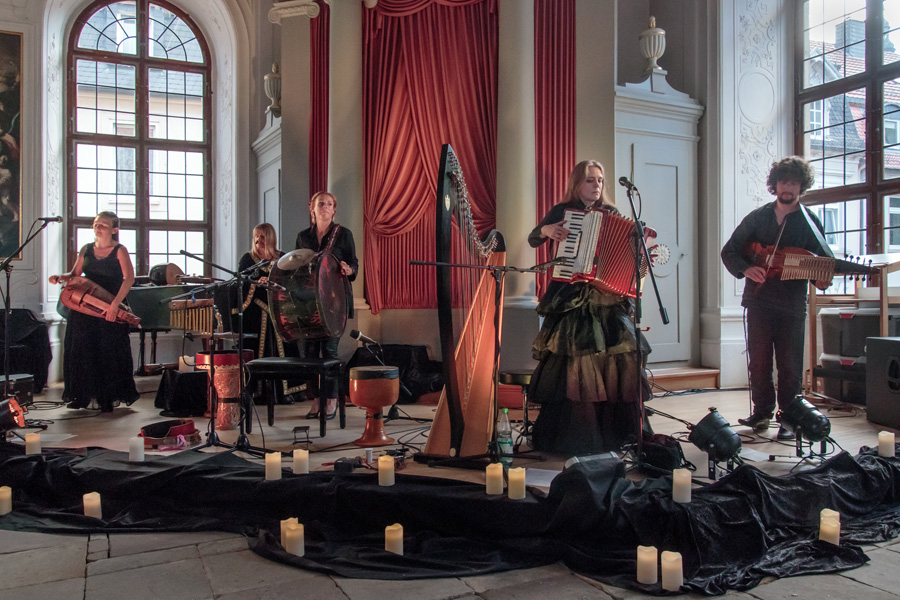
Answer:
(554, 107)
(320, 58)
(429, 78)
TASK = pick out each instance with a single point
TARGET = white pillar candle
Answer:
(516, 483)
(886, 446)
(32, 443)
(646, 564)
(5, 500)
(827, 513)
(830, 531)
(393, 538)
(493, 474)
(136, 449)
(285, 523)
(672, 575)
(294, 539)
(273, 466)
(681, 485)
(386, 470)
(92, 505)
(301, 461)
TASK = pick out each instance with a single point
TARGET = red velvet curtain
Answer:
(429, 78)
(318, 128)
(554, 107)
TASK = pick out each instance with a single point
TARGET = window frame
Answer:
(141, 141)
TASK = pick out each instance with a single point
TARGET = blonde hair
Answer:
(577, 177)
(314, 199)
(271, 239)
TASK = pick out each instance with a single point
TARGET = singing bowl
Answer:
(373, 388)
(313, 303)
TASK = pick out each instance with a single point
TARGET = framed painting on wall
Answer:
(10, 180)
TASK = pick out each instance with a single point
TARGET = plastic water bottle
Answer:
(504, 438)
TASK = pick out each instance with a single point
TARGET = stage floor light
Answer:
(714, 435)
(804, 419)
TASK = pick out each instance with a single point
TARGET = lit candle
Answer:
(830, 531)
(516, 483)
(273, 466)
(136, 449)
(827, 513)
(32, 443)
(393, 538)
(672, 576)
(386, 471)
(5, 500)
(646, 564)
(285, 523)
(681, 485)
(886, 444)
(301, 461)
(493, 474)
(92, 505)
(294, 539)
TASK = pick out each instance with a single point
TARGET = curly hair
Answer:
(792, 167)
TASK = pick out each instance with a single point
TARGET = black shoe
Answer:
(785, 435)
(331, 416)
(312, 415)
(757, 421)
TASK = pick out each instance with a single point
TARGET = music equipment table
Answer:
(151, 304)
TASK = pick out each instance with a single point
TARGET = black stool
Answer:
(523, 380)
(276, 368)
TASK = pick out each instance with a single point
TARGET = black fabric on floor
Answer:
(747, 526)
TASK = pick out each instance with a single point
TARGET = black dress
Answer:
(589, 380)
(97, 364)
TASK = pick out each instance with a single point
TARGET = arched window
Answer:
(138, 131)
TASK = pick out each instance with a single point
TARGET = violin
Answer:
(797, 263)
(84, 296)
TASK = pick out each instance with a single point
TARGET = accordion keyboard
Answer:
(578, 249)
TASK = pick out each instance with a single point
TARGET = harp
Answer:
(469, 315)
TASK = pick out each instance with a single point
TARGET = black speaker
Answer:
(883, 381)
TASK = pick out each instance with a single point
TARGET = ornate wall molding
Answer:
(293, 8)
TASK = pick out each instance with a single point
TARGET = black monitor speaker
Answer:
(883, 381)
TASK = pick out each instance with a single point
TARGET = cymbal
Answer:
(295, 259)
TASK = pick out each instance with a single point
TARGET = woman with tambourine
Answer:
(97, 361)
(322, 208)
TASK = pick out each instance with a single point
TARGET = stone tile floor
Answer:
(210, 565)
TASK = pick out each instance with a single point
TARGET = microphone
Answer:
(356, 335)
(623, 181)
(50, 219)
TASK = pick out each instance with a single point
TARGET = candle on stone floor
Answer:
(493, 474)
(672, 574)
(273, 466)
(5, 500)
(385, 470)
(32, 443)
(886, 448)
(301, 461)
(285, 523)
(136, 449)
(516, 483)
(681, 485)
(295, 543)
(646, 564)
(393, 538)
(830, 531)
(92, 505)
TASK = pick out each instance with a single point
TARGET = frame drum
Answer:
(373, 388)
(313, 304)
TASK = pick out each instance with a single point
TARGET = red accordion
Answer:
(599, 249)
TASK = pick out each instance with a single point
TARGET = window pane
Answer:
(171, 38)
(890, 166)
(173, 95)
(836, 147)
(165, 247)
(111, 29)
(891, 38)
(834, 35)
(105, 180)
(105, 98)
(845, 224)
(176, 185)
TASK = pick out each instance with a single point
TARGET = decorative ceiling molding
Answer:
(293, 8)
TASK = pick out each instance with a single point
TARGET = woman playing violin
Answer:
(776, 309)
(97, 361)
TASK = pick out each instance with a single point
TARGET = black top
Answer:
(105, 272)
(761, 226)
(344, 250)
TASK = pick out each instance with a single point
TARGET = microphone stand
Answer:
(640, 252)
(242, 444)
(6, 266)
